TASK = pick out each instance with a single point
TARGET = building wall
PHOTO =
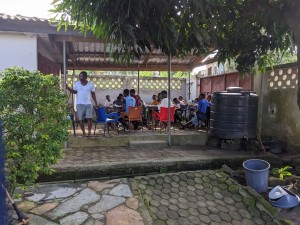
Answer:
(278, 112)
(19, 51)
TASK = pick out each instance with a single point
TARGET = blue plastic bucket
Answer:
(257, 174)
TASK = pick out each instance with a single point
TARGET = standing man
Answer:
(84, 89)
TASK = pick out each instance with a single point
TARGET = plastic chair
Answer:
(104, 118)
(163, 117)
(134, 114)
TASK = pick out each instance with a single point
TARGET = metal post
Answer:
(65, 66)
(169, 97)
(189, 84)
(138, 90)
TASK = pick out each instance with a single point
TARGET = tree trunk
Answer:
(291, 15)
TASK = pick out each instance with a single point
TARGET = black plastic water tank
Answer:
(234, 114)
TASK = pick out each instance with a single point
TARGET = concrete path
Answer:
(192, 197)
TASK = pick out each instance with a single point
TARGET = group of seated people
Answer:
(196, 110)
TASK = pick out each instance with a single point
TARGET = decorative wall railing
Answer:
(283, 78)
(146, 83)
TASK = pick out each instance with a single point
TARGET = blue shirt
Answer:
(202, 105)
(129, 101)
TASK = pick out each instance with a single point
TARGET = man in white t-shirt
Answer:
(84, 89)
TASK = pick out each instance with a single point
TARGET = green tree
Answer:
(250, 31)
(34, 116)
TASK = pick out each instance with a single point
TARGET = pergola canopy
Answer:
(87, 52)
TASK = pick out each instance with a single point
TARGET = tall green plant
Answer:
(34, 115)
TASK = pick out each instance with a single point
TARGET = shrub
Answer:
(33, 111)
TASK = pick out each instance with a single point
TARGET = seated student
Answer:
(165, 101)
(200, 112)
(129, 101)
(119, 101)
(108, 104)
(182, 101)
(159, 97)
(155, 100)
(178, 111)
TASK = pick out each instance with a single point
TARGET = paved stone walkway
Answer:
(185, 198)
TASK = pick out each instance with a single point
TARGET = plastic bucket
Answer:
(257, 174)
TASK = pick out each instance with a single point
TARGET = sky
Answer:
(31, 8)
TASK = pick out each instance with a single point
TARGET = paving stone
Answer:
(85, 197)
(258, 221)
(167, 185)
(248, 222)
(167, 179)
(182, 177)
(209, 197)
(220, 202)
(182, 194)
(174, 190)
(123, 215)
(172, 215)
(206, 179)
(191, 188)
(152, 181)
(157, 192)
(122, 190)
(191, 194)
(235, 215)
(166, 191)
(107, 202)
(198, 180)
(207, 185)
(154, 203)
(237, 197)
(159, 180)
(76, 218)
(202, 204)
(164, 202)
(161, 215)
(173, 207)
(174, 184)
(158, 187)
(265, 217)
(182, 200)
(215, 218)
(183, 213)
(182, 183)
(205, 219)
(183, 205)
(228, 200)
(194, 220)
(192, 205)
(193, 211)
(61, 192)
(203, 211)
(200, 192)
(222, 209)
(36, 197)
(249, 201)
(233, 188)
(153, 209)
(235, 222)
(244, 214)
(37, 220)
(165, 196)
(226, 193)
(149, 192)
(199, 186)
(142, 186)
(218, 195)
(26, 206)
(173, 201)
(223, 186)
(98, 216)
(190, 182)
(175, 178)
(172, 222)
(212, 209)
(174, 195)
(160, 222)
(240, 205)
(132, 203)
(40, 210)
(163, 208)
(183, 221)
(192, 199)
(225, 217)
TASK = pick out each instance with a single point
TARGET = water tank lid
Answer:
(234, 89)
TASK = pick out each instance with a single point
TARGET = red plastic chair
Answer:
(163, 117)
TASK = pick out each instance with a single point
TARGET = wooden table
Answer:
(151, 109)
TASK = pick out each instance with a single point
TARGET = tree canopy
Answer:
(246, 30)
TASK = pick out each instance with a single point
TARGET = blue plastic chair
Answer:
(104, 118)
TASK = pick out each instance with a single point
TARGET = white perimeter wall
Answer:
(18, 50)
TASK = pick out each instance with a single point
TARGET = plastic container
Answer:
(257, 174)
(283, 198)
